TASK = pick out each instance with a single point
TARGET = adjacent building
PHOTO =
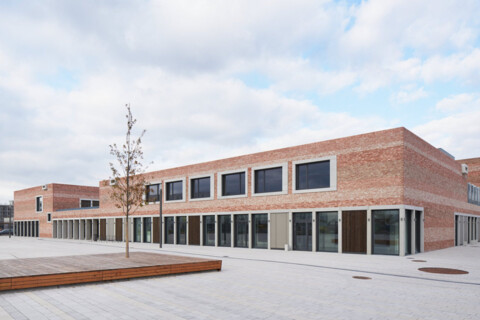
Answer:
(6, 216)
(385, 192)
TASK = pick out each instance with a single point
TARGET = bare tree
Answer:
(129, 182)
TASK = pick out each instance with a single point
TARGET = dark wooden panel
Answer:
(103, 229)
(194, 230)
(118, 229)
(156, 234)
(354, 231)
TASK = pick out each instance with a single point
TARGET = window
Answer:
(182, 230)
(169, 230)
(200, 188)
(174, 190)
(233, 184)
(268, 180)
(152, 193)
(241, 230)
(87, 203)
(313, 175)
(39, 203)
(49, 217)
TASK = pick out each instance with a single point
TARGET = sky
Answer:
(215, 79)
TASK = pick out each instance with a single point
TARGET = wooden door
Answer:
(194, 230)
(103, 229)
(278, 230)
(118, 229)
(354, 231)
(156, 233)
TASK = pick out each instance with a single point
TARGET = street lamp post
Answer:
(160, 219)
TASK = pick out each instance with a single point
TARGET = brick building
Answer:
(385, 192)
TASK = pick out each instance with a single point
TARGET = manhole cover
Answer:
(419, 260)
(409, 258)
(443, 270)
(361, 278)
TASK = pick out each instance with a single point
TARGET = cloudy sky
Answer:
(212, 79)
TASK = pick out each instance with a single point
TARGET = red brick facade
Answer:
(384, 168)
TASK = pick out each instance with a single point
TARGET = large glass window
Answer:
(147, 229)
(241, 230)
(39, 204)
(208, 230)
(200, 188)
(85, 203)
(260, 230)
(224, 231)
(169, 230)
(327, 231)
(174, 190)
(385, 231)
(137, 229)
(153, 193)
(302, 231)
(312, 175)
(182, 230)
(233, 184)
(268, 180)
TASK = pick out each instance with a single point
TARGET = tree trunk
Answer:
(127, 253)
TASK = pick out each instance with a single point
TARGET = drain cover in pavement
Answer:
(443, 270)
(361, 278)
(419, 260)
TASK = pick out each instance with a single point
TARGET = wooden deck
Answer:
(55, 271)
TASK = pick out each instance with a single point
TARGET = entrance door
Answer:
(155, 230)
(118, 229)
(194, 230)
(302, 231)
(418, 225)
(354, 231)
(103, 229)
(408, 231)
(278, 230)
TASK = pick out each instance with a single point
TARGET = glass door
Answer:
(302, 231)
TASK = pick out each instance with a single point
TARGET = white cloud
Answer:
(409, 94)
(459, 102)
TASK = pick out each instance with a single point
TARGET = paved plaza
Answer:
(256, 284)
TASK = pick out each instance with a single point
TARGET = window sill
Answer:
(314, 190)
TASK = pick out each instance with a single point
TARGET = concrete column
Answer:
(314, 231)
(82, 229)
(232, 231)
(401, 235)
(216, 230)
(412, 233)
(340, 231)
(249, 238)
(186, 230)
(290, 231)
(201, 230)
(369, 231)
(269, 245)
(76, 229)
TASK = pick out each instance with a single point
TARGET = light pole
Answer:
(160, 218)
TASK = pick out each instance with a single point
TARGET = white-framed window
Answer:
(89, 203)
(174, 190)
(270, 180)
(201, 187)
(314, 175)
(49, 217)
(232, 184)
(39, 204)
